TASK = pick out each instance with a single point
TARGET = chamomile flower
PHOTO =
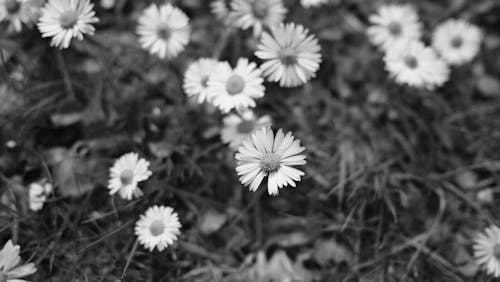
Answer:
(258, 14)
(394, 24)
(222, 10)
(16, 12)
(274, 156)
(65, 19)
(291, 55)
(238, 128)
(38, 193)
(487, 250)
(158, 227)
(457, 41)
(238, 87)
(312, 3)
(163, 30)
(126, 173)
(416, 65)
(196, 78)
(10, 271)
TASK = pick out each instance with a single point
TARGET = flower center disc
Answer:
(68, 19)
(235, 84)
(457, 42)
(260, 9)
(12, 6)
(245, 126)
(395, 28)
(411, 61)
(126, 177)
(163, 31)
(270, 162)
(204, 81)
(157, 227)
(288, 57)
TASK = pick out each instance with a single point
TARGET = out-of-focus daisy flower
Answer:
(222, 10)
(238, 128)
(457, 41)
(487, 250)
(291, 56)
(196, 79)
(394, 24)
(273, 156)
(158, 227)
(416, 65)
(312, 3)
(38, 193)
(9, 260)
(108, 4)
(258, 14)
(126, 173)
(238, 87)
(16, 12)
(163, 30)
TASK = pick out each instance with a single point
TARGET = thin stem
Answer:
(65, 74)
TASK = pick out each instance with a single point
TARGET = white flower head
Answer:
(196, 79)
(10, 270)
(312, 3)
(487, 250)
(38, 193)
(222, 10)
(66, 19)
(158, 227)
(416, 65)
(457, 41)
(258, 14)
(236, 88)
(238, 128)
(394, 24)
(126, 173)
(274, 156)
(291, 55)
(163, 30)
(16, 12)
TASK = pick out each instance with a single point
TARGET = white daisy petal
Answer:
(487, 250)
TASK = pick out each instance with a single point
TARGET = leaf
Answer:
(211, 221)
(328, 251)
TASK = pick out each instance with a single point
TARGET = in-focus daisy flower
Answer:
(487, 250)
(65, 19)
(291, 56)
(258, 14)
(16, 12)
(457, 41)
(238, 87)
(238, 128)
(9, 260)
(416, 65)
(312, 3)
(222, 10)
(265, 154)
(126, 173)
(196, 79)
(38, 193)
(394, 24)
(163, 30)
(158, 227)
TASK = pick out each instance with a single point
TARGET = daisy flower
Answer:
(394, 24)
(238, 128)
(457, 41)
(158, 227)
(416, 65)
(126, 173)
(38, 193)
(163, 30)
(65, 19)
(222, 10)
(16, 12)
(487, 250)
(196, 79)
(9, 260)
(312, 3)
(291, 55)
(273, 156)
(238, 87)
(258, 14)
